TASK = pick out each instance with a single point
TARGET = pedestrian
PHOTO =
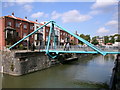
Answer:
(64, 46)
(32, 47)
(67, 46)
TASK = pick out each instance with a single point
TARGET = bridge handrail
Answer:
(84, 41)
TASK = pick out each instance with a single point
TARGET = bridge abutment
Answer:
(20, 63)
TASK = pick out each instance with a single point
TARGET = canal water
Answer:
(89, 72)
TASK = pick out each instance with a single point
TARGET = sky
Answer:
(93, 17)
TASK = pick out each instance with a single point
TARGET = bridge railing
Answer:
(52, 45)
(75, 48)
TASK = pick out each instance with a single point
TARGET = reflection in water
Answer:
(92, 71)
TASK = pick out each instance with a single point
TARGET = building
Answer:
(38, 37)
(100, 40)
(13, 29)
(74, 40)
(64, 37)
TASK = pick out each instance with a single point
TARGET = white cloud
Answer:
(103, 3)
(104, 7)
(94, 12)
(71, 16)
(38, 14)
(102, 30)
(55, 15)
(112, 24)
(74, 16)
(9, 3)
(28, 7)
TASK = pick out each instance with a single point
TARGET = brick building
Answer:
(74, 40)
(14, 28)
(64, 37)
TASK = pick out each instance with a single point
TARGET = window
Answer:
(17, 34)
(9, 24)
(61, 33)
(37, 27)
(32, 36)
(25, 26)
(56, 32)
(46, 38)
(46, 30)
(24, 34)
(17, 25)
(31, 27)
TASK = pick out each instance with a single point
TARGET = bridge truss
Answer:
(53, 24)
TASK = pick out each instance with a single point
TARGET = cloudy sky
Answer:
(94, 17)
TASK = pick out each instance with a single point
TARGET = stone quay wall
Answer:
(115, 79)
(20, 63)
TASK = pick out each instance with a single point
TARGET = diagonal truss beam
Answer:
(50, 32)
(97, 50)
(29, 35)
(84, 41)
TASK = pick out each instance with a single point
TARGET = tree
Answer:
(94, 41)
(106, 39)
(118, 39)
(86, 37)
(82, 36)
(112, 39)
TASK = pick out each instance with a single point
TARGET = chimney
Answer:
(76, 32)
(12, 13)
(25, 17)
(36, 20)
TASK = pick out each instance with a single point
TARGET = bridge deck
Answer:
(91, 52)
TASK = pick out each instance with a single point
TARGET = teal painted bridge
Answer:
(53, 24)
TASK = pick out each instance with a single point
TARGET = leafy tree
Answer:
(94, 41)
(112, 39)
(118, 39)
(86, 37)
(82, 36)
(106, 39)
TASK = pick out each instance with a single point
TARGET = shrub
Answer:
(21, 47)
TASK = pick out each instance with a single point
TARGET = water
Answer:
(92, 71)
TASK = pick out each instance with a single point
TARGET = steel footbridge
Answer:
(93, 49)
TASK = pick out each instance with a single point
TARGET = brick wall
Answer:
(2, 35)
(20, 30)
